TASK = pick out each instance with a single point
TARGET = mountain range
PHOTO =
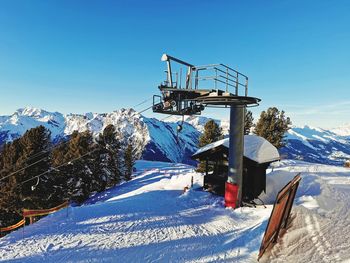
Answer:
(159, 140)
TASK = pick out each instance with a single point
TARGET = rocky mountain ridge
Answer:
(159, 140)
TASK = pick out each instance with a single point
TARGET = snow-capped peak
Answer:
(343, 130)
(152, 138)
(158, 140)
(32, 112)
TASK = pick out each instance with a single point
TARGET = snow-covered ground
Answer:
(149, 219)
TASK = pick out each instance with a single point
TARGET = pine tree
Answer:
(35, 144)
(272, 125)
(10, 202)
(129, 160)
(248, 122)
(59, 177)
(29, 156)
(80, 170)
(76, 160)
(73, 170)
(212, 133)
(109, 163)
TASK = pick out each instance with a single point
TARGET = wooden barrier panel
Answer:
(280, 213)
(13, 227)
(33, 213)
(42, 212)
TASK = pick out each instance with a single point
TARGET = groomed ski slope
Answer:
(149, 220)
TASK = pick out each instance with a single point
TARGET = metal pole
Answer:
(180, 77)
(196, 80)
(188, 78)
(170, 77)
(236, 146)
(177, 79)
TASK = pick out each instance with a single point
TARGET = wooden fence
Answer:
(31, 214)
(13, 227)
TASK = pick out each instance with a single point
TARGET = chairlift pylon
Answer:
(213, 85)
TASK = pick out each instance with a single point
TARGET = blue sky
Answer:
(82, 56)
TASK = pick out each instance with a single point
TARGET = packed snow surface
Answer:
(149, 219)
(256, 148)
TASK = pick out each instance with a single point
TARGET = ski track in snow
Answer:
(320, 227)
(149, 219)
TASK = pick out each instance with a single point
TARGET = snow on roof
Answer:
(256, 148)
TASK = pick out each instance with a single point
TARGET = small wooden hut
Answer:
(258, 154)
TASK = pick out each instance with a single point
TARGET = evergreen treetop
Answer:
(248, 122)
(272, 125)
(72, 170)
(212, 133)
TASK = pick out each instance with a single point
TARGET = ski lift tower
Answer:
(214, 85)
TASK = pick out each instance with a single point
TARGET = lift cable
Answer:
(32, 157)
(47, 150)
(20, 170)
(139, 112)
(143, 102)
(55, 168)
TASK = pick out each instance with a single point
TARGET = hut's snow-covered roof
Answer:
(256, 148)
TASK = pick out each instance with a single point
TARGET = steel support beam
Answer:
(236, 147)
(170, 75)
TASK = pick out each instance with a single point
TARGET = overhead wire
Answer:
(143, 102)
(146, 109)
(32, 157)
(61, 165)
(56, 146)
(47, 150)
(22, 169)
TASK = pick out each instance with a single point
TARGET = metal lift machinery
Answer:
(213, 85)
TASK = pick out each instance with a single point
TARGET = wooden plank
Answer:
(42, 212)
(13, 227)
(280, 214)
